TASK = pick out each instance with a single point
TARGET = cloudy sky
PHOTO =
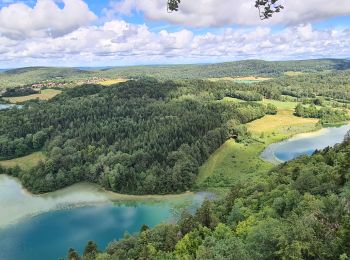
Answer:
(131, 32)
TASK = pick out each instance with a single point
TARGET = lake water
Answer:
(45, 227)
(304, 144)
(5, 106)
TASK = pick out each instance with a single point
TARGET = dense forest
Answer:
(26, 76)
(149, 136)
(18, 92)
(299, 210)
(327, 115)
(139, 137)
(331, 85)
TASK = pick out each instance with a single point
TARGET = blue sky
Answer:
(132, 32)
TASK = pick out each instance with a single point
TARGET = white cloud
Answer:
(120, 43)
(214, 13)
(46, 18)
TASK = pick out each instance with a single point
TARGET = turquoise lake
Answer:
(45, 227)
(304, 144)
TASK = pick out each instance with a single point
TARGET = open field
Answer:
(235, 162)
(283, 122)
(230, 99)
(231, 163)
(249, 79)
(26, 162)
(280, 104)
(112, 82)
(45, 94)
(293, 73)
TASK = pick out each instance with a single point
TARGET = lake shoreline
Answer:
(21, 204)
(269, 153)
(113, 196)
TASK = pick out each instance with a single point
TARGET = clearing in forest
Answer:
(294, 73)
(281, 105)
(45, 94)
(284, 123)
(234, 162)
(26, 162)
(231, 163)
(249, 79)
(111, 82)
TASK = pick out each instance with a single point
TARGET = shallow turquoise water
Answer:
(50, 235)
(45, 227)
(305, 145)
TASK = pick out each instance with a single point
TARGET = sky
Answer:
(97, 33)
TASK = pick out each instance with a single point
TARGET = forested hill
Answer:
(234, 69)
(299, 210)
(137, 137)
(25, 76)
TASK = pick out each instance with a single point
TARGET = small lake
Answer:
(44, 227)
(304, 144)
(8, 106)
(5, 106)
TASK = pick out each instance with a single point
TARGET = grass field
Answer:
(230, 99)
(244, 79)
(231, 163)
(293, 73)
(284, 122)
(279, 104)
(234, 162)
(45, 94)
(25, 163)
(110, 82)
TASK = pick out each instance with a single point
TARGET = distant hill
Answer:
(232, 69)
(23, 76)
(30, 75)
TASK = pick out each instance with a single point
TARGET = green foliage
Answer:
(90, 250)
(205, 215)
(18, 92)
(318, 86)
(137, 137)
(144, 228)
(72, 255)
(28, 76)
(271, 109)
(299, 210)
(327, 115)
(245, 95)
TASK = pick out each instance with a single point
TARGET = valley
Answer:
(142, 150)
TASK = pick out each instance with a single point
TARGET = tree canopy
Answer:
(299, 210)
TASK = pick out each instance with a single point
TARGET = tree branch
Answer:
(266, 7)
